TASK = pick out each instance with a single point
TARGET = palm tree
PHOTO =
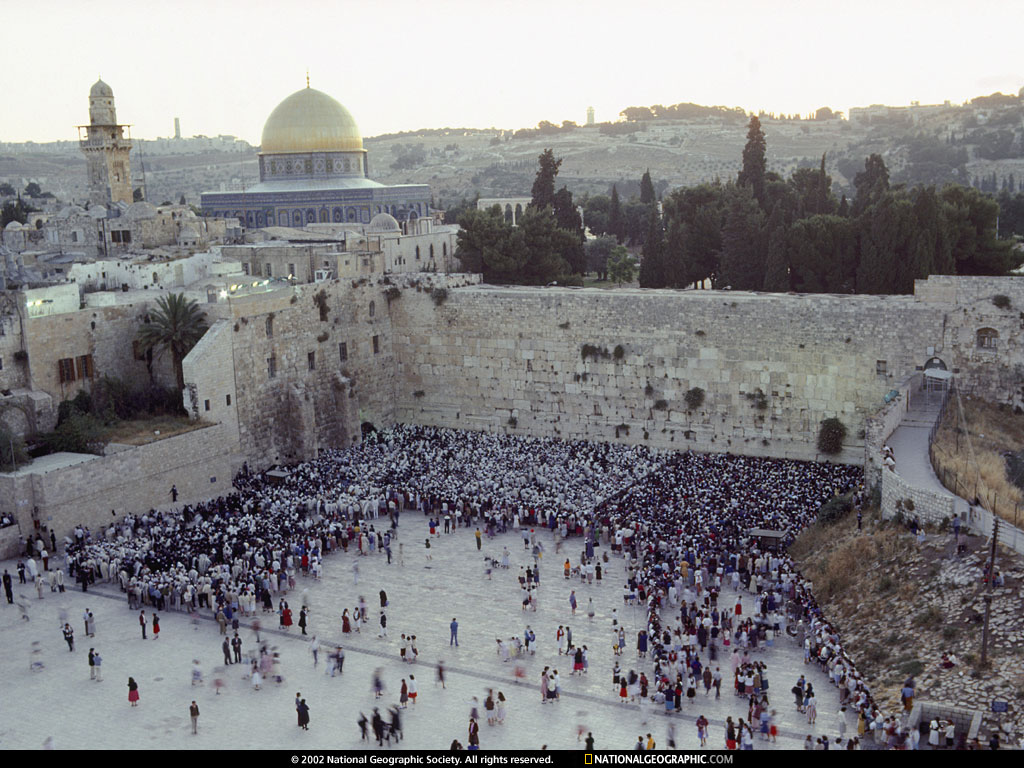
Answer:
(175, 325)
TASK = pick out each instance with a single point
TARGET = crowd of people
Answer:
(682, 522)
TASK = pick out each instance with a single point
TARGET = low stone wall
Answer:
(10, 538)
(879, 426)
(101, 489)
(929, 506)
(965, 721)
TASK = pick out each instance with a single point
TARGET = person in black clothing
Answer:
(227, 651)
(236, 644)
(8, 587)
(378, 727)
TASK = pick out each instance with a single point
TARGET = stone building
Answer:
(106, 146)
(323, 251)
(121, 229)
(313, 168)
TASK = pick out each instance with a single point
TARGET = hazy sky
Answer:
(223, 65)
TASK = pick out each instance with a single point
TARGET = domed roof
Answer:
(68, 211)
(310, 121)
(141, 210)
(101, 90)
(383, 222)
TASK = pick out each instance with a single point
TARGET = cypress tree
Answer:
(754, 163)
(647, 188)
(616, 224)
(776, 271)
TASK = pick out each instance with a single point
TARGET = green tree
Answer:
(454, 211)
(78, 433)
(567, 219)
(776, 269)
(754, 163)
(175, 325)
(813, 191)
(6, 190)
(543, 191)
(871, 184)
(544, 244)
(598, 250)
(975, 247)
(634, 222)
(693, 233)
(653, 273)
(616, 223)
(487, 243)
(647, 195)
(885, 232)
(595, 214)
(621, 266)
(32, 189)
(741, 260)
(14, 211)
(822, 255)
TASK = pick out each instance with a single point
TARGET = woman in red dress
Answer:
(156, 627)
(286, 616)
(133, 691)
(346, 624)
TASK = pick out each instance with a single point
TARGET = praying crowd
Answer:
(232, 552)
(682, 522)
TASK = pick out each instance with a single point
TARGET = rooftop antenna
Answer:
(307, 77)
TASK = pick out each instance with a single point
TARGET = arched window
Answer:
(417, 253)
(444, 249)
(431, 251)
(270, 327)
(987, 338)
(373, 309)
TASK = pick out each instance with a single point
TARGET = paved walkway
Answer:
(909, 443)
(61, 702)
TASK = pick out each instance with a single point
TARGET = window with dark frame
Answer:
(66, 370)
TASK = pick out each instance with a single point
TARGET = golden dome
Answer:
(310, 121)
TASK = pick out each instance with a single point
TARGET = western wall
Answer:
(291, 371)
(599, 365)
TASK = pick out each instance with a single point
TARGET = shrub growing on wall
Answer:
(694, 398)
(831, 436)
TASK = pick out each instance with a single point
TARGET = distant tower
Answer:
(106, 149)
(177, 128)
(590, 115)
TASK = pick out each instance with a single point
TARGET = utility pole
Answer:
(988, 595)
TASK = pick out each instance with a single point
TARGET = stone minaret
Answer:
(106, 149)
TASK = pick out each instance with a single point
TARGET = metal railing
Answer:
(1006, 508)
